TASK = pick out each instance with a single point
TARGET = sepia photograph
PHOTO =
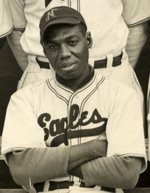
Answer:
(75, 96)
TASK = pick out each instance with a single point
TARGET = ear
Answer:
(89, 39)
(44, 49)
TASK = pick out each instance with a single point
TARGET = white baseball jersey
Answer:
(50, 114)
(5, 19)
(136, 12)
(103, 19)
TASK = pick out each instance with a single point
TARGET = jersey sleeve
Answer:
(18, 13)
(125, 132)
(136, 12)
(21, 130)
(5, 19)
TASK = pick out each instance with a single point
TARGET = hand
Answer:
(76, 172)
(85, 152)
(98, 148)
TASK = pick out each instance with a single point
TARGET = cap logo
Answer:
(50, 14)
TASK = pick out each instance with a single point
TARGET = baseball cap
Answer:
(60, 15)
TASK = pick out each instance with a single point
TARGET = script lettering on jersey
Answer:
(67, 125)
(47, 2)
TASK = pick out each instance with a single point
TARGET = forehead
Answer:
(64, 31)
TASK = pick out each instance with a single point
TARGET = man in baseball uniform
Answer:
(76, 131)
(105, 22)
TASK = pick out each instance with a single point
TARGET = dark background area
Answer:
(10, 73)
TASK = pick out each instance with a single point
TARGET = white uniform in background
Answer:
(104, 19)
(136, 14)
(5, 19)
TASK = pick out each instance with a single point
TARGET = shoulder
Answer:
(30, 91)
(5, 19)
(136, 12)
(113, 89)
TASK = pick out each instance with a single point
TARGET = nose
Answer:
(64, 52)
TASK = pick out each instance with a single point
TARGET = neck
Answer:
(72, 84)
(75, 84)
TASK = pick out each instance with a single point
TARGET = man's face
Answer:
(67, 51)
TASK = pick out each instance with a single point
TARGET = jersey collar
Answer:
(84, 82)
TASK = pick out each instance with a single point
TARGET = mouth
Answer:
(68, 66)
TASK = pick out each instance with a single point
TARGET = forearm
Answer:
(14, 43)
(41, 164)
(38, 164)
(85, 152)
(136, 40)
(118, 172)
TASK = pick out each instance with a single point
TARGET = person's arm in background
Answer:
(5, 21)
(19, 22)
(136, 15)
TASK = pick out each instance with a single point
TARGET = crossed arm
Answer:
(53, 162)
(86, 161)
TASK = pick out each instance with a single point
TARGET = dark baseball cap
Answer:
(60, 15)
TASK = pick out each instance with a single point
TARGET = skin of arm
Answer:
(28, 163)
(14, 43)
(136, 15)
(19, 21)
(136, 41)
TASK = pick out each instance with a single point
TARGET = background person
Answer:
(136, 15)
(108, 45)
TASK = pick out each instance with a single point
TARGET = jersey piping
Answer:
(139, 22)
(56, 93)
(5, 34)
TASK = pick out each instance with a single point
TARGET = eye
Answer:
(52, 46)
(73, 42)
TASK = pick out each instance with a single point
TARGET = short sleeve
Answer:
(135, 12)
(125, 132)
(18, 14)
(5, 18)
(21, 129)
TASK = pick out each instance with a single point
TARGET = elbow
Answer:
(131, 173)
(19, 176)
(129, 181)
